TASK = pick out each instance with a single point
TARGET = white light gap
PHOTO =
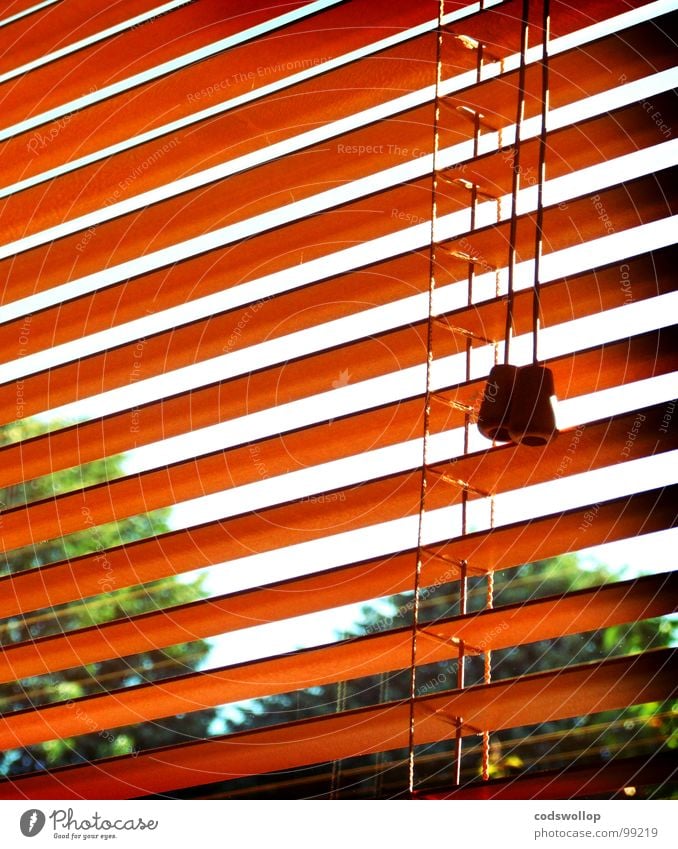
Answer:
(167, 67)
(92, 39)
(10, 20)
(623, 21)
(357, 469)
(600, 329)
(651, 312)
(598, 177)
(388, 538)
(595, 178)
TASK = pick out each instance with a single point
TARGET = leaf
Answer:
(342, 380)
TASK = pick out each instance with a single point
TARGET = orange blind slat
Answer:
(639, 201)
(387, 425)
(63, 24)
(547, 618)
(527, 622)
(651, 274)
(575, 222)
(499, 548)
(87, 188)
(392, 497)
(581, 72)
(576, 691)
(129, 53)
(16, 7)
(206, 208)
(231, 73)
(351, 89)
(274, 250)
(571, 148)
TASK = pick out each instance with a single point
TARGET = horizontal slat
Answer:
(199, 212)
(226, 137)
(309, 104)
(63, 24)
(651, 354)
(570, 298)
(562, 696)
(575, 222)
(230, 74)
(274, 250)
(228, 200)
(182, 551)
(558, 616)
(252, 192)
(603, 443)
(604, 777)
(514, 625)
(589, 688)
(130, 53)
(604, 366)
(550, 536)
(638, 201)
(585, 71)
(605, 137)
(573, 147)
(499, 548)
(613, 364)
(496, 549)
(18, 7)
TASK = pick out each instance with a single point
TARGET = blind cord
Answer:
(515, 180)
(487, 679)
(427, 404)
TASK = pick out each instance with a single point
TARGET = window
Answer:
(256, 268)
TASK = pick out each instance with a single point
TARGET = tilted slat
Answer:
(572, 223)
(203, 210)
(648, 275)
(243, 195)
(558, 616)
(345, 157)
(514, 625)
(389, 498)
(650, 355)
(544, 697)
(638, 201)
(237, 262)
(230, 74)
(16, 7)
(63, 24)
(223, 138)
(560, 693)
(229, 200)
(605, 366)
(499, 548)
(130, 53)
(604, 777)
(573, 147)
(312, 103)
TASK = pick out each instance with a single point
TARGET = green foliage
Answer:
(113, 603)
(636, 730)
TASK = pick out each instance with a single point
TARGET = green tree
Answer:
(636, 730)
(113, 603)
